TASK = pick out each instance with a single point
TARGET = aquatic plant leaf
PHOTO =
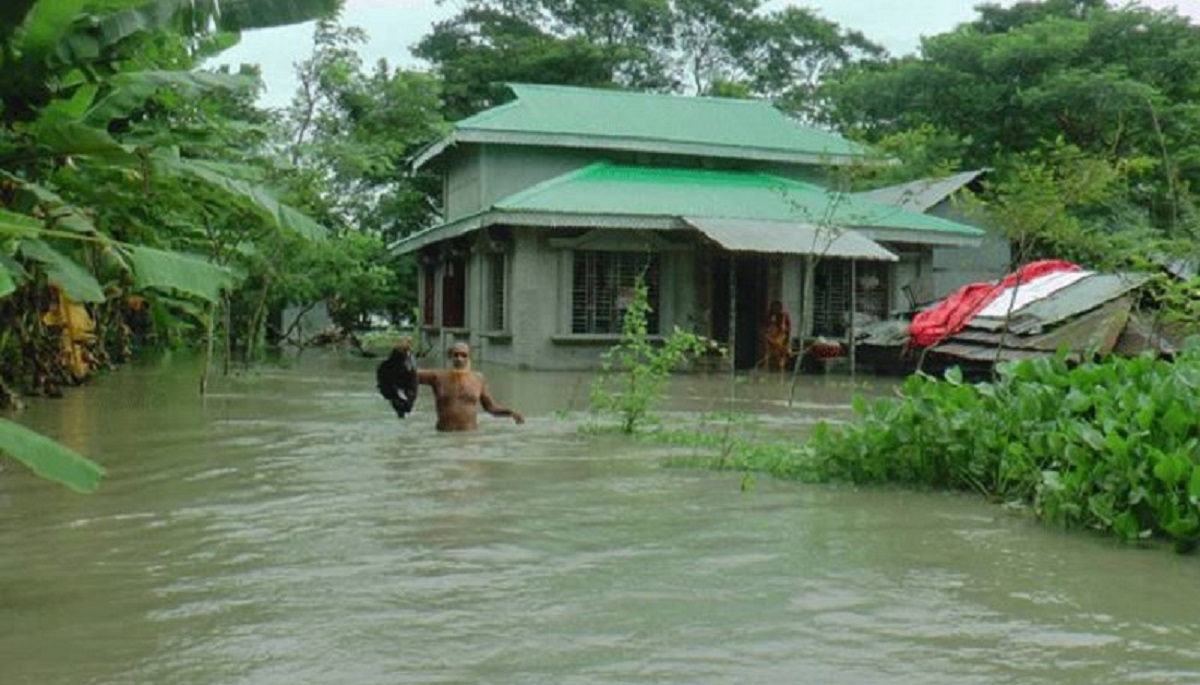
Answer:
(1172, 468)
(62, 271)
(1194, 487)
(49, 459)
(178, 271)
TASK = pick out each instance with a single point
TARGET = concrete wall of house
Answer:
(539, 308)
(461, 187)
(954, 267)
(478, 175)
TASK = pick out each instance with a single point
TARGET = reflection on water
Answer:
(289, 529)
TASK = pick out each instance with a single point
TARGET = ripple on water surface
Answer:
(289, 530)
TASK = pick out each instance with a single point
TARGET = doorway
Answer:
(750, 272)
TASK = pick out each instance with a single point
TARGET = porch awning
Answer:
(787, 237)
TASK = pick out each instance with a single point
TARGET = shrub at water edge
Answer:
(1111, 445)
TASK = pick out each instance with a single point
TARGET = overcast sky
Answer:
(394, 26)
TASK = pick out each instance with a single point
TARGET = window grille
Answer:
(602, 282)
(831, 297)
(496, 292)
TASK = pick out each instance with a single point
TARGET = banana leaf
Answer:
(131, 90)
(14, 225)
(177, 271)
(194, 17)
(78, 138)
(62, 271)
(49, 459)
(7, 283)
(46, 24)
(218, 176)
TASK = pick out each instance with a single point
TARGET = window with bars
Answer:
(496, 264)
(832, 294)
(603, 281)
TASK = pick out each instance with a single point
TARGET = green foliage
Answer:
(49, 459)
(117, 176)
(730, 47)
(634, 370)
(1110, 445)
(1108, 82)
(348, 132)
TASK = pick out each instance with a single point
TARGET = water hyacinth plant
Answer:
(1109, 445)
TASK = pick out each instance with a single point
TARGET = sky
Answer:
(394, 26)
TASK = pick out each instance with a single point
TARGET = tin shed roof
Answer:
(922, 194)
(597, 118)
(617, 189)
(606, 195)
(781, 237)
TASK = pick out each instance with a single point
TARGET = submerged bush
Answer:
(1111, 445)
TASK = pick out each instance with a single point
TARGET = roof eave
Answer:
(632, 144)
(920, 237)
(480, 220)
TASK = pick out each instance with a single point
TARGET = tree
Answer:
(706, 47)
(1110, 81)
(349, 134)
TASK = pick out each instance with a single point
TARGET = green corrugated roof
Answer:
(657, 191)
(639, 118)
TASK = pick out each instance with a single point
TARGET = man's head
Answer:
(776, 306)
(460, 357)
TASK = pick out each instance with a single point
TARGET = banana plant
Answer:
(67, 97)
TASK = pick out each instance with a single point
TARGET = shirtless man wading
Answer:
(459, 393)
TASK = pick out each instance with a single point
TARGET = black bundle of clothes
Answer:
(396, 378)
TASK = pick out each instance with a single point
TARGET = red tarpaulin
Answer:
(951, 314)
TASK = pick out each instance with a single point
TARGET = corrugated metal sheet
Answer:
(977, 353)
(722, 127)
(615, 189)
(777, 237)
(600, 194)
(1096, 331)
(1079, 297)
(921, 195)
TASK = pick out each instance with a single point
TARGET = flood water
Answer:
(288, 529)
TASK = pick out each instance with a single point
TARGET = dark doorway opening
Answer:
(750, 291)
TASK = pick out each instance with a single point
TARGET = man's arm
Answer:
(427, 377)
(490, 406)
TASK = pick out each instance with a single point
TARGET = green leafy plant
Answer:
(1111, 445)
(49, 459)
(634, 370)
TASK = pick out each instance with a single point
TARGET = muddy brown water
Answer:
(287, 529)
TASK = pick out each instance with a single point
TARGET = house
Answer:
(556, 201)
(951, 267)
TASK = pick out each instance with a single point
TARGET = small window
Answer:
(603, 282)
(496, 264)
